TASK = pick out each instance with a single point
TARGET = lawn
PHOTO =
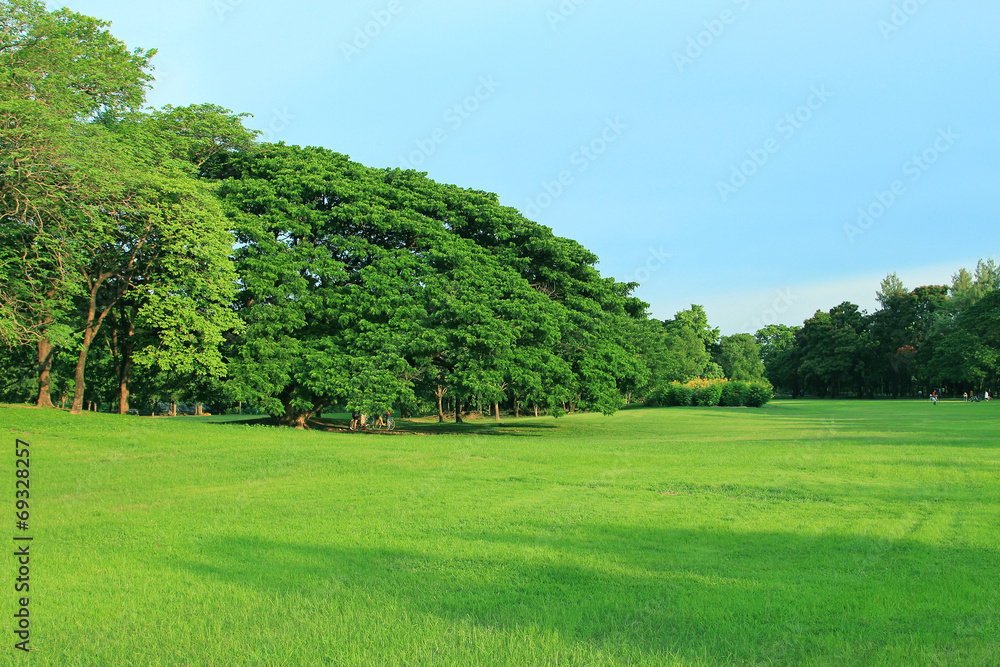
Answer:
(809, 532)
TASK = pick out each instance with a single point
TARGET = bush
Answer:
(659, 397)
(680, 394)
(733, 394)
(707, 392)
(758, 394)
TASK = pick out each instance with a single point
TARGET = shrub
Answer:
(659, 397)
(713, 392)
(758, 394)
(680, 394)
(707, 392)
(733, 394)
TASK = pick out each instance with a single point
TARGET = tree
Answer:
(57, 71)
(180, 309)
(155, 236)
(688, 343)
(780, 355)
(966, 351)
(981, 322)
(967, 289)
(364, 286)
(739, 356)
(696, 319)
(891, 288)
(835, 349)
(901, 330)
(330, 282)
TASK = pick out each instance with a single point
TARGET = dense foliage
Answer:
(712, 392)
(372, 288)
(932, 338)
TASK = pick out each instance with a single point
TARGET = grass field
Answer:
(819, 532)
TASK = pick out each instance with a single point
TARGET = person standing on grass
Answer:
(934, 398)
(354, 419)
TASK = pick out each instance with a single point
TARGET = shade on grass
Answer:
(801, 533)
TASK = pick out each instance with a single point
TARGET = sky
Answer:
(764, 159)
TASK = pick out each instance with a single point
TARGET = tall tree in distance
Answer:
(739, 356)
(836, 351)
(891, 288)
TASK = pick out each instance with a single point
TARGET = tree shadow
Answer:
(259, 420)
(695, 595)
(403, 426)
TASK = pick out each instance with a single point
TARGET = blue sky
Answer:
(763, 159)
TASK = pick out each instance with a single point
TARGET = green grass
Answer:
(863, 533)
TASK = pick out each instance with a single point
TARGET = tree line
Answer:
(934, 337)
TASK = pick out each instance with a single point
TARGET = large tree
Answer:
(152, 235)
(739, 356)
(836, 351)
(363, 286)
(103, 214)
(780, 356)
(900, 331)
(58, 72)
(330, 275)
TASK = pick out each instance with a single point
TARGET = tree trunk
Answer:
(440, 396)
(496, 409)
(121, 350)
(123, 392)
(458, 411)
(296, 418)
(94, 321)
(536, 409)
(81, 363)
(125, 376)
(45, 355)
